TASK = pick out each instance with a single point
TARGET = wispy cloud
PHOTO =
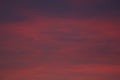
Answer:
(49, 40)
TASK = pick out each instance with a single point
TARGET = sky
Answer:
(59, 40)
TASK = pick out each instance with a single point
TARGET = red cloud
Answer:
(51, 47)
(53, 71)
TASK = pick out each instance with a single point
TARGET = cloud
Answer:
(66, 71)
(7, 16)
(46, 40)
(9, 12)
(47, 45)
(61, 8)
(83, 10)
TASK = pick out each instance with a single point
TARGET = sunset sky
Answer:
(59, 40)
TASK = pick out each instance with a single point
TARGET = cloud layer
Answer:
(63, 40)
